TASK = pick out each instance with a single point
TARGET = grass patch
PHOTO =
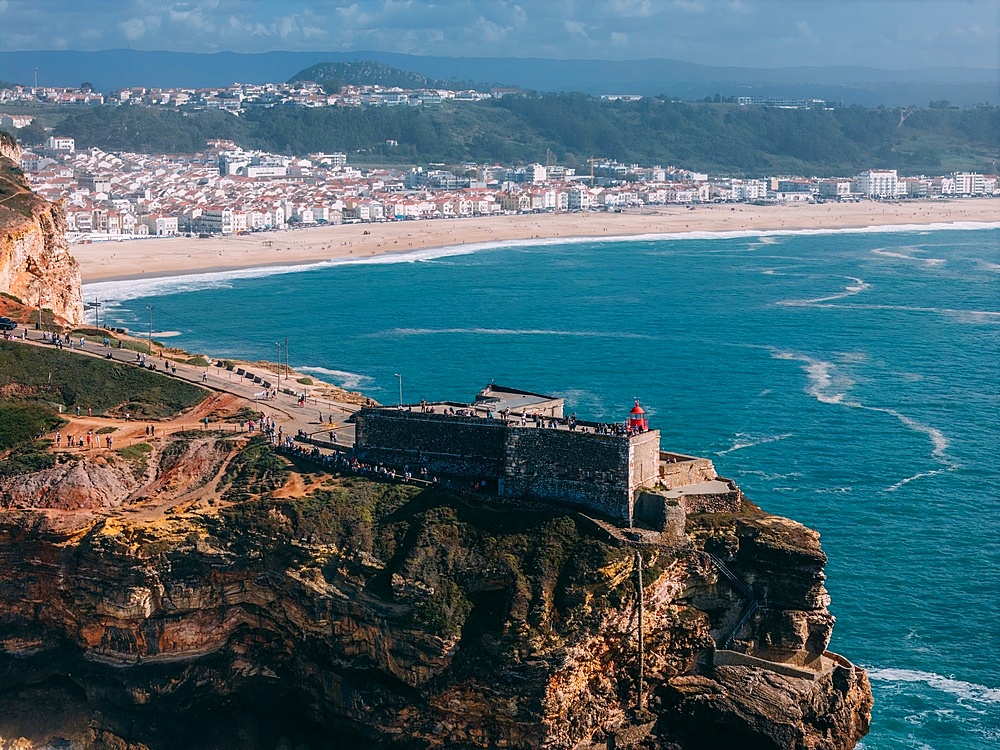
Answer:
(107, 387)
(20, 423)
(304, 381)
(31, 458)
(138, 456)
(106, 430)
(254, 470)
(198, 361)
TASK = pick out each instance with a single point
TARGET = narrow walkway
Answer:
(313, 418)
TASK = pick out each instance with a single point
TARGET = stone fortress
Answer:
(523, 447)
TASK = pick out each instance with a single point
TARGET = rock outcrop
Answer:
(35, 262)
(251, 603)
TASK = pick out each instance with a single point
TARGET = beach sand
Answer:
(157, 257)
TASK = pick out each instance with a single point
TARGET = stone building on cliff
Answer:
(521, 445)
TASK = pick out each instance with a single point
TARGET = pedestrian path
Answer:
(313, 416)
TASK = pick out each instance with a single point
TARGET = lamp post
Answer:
(278, 344)
(149, 344)
(400, 388)
(38, 323)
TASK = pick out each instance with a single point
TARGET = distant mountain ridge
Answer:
(113, 69)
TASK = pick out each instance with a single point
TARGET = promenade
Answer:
(315, 417)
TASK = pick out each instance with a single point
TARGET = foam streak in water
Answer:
(960, 688)
(858, 286)
(743, 440)
(341, 377)
(826, 387)
(512, 332)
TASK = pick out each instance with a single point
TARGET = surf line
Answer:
(858, 286)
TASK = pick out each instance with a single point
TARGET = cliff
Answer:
(34, 256)
(205, 592)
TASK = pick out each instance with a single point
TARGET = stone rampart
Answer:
(571, 468)
(441, 443)
(677, 470)
(583, 469)
(721, 502)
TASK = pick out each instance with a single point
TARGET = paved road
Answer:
(284, 408)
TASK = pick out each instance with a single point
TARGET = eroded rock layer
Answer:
(35, 263)
(205, 593)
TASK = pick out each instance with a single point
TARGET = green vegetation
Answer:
(21, 422)
(304, 381)
(716, 137)
(138, 456)
(369, 72)
(58, 377)
(28, 459)
(255, 469)
(459, 566)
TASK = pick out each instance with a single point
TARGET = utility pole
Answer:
(38, 325)
(96, 307)
(640, 698)
(286, 359)
(149, 344)
(278, 344)
(400, 388)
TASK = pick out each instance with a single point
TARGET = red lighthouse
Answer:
(637, 418)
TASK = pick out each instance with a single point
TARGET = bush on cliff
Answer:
(20, 423)
(466, 567)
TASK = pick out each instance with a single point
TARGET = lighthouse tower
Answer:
(637, 418)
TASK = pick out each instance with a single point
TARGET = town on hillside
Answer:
(227, 190)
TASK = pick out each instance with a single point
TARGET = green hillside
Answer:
(714, 137)
(371, 73)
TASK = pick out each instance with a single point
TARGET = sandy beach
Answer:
(175, 256)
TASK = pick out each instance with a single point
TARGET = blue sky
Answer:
(895, 34)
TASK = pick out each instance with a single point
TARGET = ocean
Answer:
(847, 379)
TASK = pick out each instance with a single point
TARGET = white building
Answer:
(879, 183)
(969, 183)
(161, 225)
(56, 143)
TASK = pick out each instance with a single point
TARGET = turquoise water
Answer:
(848, 380)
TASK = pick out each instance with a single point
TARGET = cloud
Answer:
(721, 32)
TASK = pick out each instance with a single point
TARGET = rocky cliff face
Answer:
(206, 594)
(34, 256)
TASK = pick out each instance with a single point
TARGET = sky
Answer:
(891, 34)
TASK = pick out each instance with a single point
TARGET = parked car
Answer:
(6, 324)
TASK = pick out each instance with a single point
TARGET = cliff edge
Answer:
(36, 267)
(199, 590)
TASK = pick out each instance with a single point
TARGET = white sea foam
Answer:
(962, 316)
(964, 690)
(907, 480)
(511, 332)
(912, 255)
(742, 441)
(165, 334)
(340, 377)
(134, 288)
(828, 387)
(858, 286)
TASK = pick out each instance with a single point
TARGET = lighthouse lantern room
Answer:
(637, 418)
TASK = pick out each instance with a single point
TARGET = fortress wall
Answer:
(570, 468)
(725, 502)
(644, 459)
(444, 444)
(678, 471)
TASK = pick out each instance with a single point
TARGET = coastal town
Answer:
(226, 190)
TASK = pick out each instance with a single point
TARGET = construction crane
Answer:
(591, 161)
